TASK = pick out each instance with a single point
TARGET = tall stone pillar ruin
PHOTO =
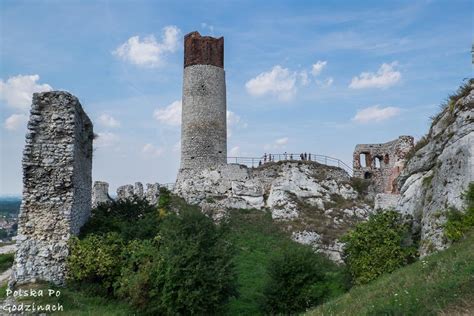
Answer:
(57, 180)
(203, 129)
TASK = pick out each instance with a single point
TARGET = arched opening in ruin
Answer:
(367, 175)
(378, 162)
(363, 161)
(386, 159)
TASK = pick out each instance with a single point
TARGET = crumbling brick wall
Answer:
(383, 162)
(57, 180)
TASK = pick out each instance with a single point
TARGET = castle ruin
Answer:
(204, 127)
(382, 163)
(57, 180)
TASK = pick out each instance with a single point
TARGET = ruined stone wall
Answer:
(383, 162)
(100, 193)
(151, 194)
(57, 166)
(204, 127)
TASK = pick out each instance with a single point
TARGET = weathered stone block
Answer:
(57, 181)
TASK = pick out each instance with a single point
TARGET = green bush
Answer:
(197, 274)
(6, 261)
(131, 218)
(299, 279)
(360, 185)
(380, 245)
(138, 283)
(185, 268)
(458, 222)
(95, 261)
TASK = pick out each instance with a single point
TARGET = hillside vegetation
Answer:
(442, 283)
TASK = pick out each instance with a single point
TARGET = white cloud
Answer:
(325, 83)
(106, 139)
(277, 144)
(15, 122)
(375, 114)
(232, 118)
(385, 77)
(108, 121)
(18, 91)
(281, 141)
(177, 147)
(279, 82)
(152, 151)
(234, 151)
(149, 52)
(304, 79)
(318, 67)
(170, 115)
(205, 25)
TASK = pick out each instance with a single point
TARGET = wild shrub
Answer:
(138, 283)
(182, 265)
(360, 185)
(458, 222)
(132, 219)
(95, 260)
(299, 278)
(197, 274)
(380, 245)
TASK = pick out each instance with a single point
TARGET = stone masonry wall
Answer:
(391, 161)
(57, 166)
(203, 129)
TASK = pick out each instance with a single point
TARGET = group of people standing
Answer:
(271, 157)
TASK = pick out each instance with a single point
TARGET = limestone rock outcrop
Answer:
(308, 197)
(439, 171)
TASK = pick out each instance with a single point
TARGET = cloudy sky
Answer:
(301, 76)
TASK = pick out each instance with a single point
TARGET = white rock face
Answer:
(385, 201)
(439, 172)
(313, 199)
(332, 250)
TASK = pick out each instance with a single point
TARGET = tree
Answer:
(380, 245)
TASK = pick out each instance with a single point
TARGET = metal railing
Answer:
(268, 158)
(254, 162)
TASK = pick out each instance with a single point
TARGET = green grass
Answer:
(442, 283)
(76, 302)
(6, 261)
(257, 239)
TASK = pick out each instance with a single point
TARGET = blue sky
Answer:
(301, 76)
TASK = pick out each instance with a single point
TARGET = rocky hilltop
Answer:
(439, 169)
(315, 203)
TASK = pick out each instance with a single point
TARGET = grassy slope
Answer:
(76, 303)
(257, 240)
(442, 283)
(6, 261)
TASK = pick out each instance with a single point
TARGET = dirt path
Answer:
(5, 275)
(7, 249)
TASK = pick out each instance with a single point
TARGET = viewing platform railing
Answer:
(257, 161)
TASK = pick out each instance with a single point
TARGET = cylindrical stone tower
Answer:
(203, 128)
